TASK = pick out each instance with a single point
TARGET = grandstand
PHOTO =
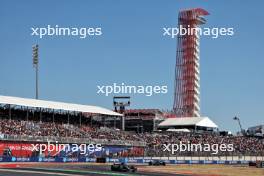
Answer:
(28, 121)
(24, 122)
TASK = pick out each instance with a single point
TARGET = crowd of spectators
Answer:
(30, 128)
(242, 145)
(154, 141)
(49, 129)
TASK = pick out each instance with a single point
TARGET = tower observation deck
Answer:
(187, 69)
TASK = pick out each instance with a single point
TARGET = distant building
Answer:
(142, 120)
(256, 131)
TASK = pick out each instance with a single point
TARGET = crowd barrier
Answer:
(118, 160)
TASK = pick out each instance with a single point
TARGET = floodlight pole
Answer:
(37, 81)
(35, 65)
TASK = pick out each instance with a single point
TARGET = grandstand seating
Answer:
(19, 127)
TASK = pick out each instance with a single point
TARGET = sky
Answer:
(133, 50)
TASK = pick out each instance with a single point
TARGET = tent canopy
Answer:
(56, 105)
(188, 121)
(178, 130)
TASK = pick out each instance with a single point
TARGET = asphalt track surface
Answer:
(74, 170)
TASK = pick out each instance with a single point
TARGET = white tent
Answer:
(56, 105)
(188, 121)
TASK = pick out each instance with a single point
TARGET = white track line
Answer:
(37, 172)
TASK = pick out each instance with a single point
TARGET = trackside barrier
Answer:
(115, 160)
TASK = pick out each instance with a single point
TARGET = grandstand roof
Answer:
(188, 121)
(56, 105)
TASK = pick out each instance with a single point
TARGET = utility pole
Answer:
(35, 65)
